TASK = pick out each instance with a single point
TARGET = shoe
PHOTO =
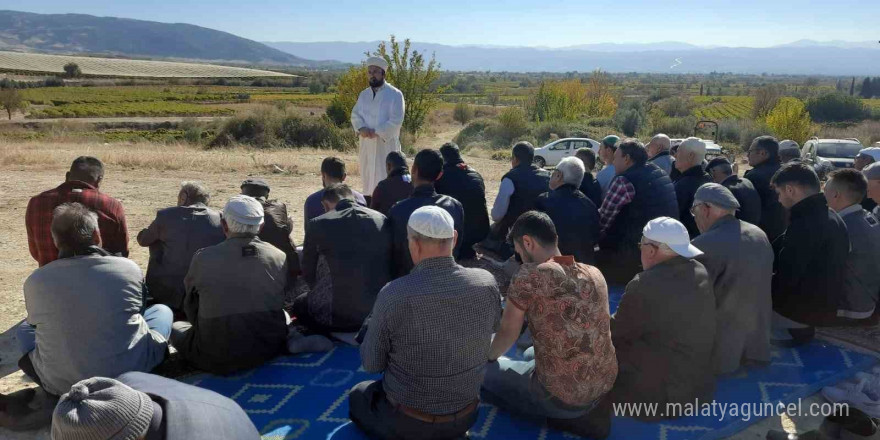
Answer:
(864, 395)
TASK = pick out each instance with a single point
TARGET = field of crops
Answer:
(723, 107)
(873, 103)
(41, 63)
(119, 109)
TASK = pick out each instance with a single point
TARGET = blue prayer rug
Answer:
(305, 396)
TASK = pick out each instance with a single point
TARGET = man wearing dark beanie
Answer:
(143, 406)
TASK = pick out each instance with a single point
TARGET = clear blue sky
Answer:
(552, 23)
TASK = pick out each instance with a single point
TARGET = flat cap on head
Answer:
(717, 195)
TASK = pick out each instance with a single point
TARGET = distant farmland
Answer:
(110, 67)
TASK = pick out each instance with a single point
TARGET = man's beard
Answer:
(376, 82)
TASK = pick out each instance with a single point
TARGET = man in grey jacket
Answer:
(658, 152)
(845, 189)
(174, 237)
(234, 297)
(739, 259)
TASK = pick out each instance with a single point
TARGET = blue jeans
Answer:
(159, 318)
(512, 386)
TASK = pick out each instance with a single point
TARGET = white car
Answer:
(838, 153)
(552, 153)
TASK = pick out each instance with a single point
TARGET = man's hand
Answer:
(368, 133)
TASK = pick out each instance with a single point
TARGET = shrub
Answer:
(790, 120)
(572, 99)
(837, 107)
(269, 127)
(675, 127)
(337, 113)
(512, 124)
(630, 117)
(462, 113)
(544, 131)
(71, 70)
(677, 107)
(501, 155)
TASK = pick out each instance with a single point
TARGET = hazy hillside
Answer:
(800, 58)
(77, 33)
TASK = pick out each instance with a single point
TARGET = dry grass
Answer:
(867, 132)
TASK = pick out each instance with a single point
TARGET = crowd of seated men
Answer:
(716, 269)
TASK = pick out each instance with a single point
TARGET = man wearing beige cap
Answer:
(665, 357)
(739, 259)
(429, 335)
(377, 118)
(234, 297)
(872, 173)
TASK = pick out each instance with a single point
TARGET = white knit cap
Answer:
(245, 210)
(102, 409)
(378, 62)
(432, 221)
(672, 233)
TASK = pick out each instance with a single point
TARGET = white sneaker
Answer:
(864, 395)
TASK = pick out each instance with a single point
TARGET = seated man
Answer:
(174, 237)
(80, 186)
(844, 190)
(689, 161)
(658, 152)
(394, 188)
(426, 169)
(640, 192)
(234, 297)
(465, 184)
(721, 172)
(739, 260)
(664, 327)
(811, 255)
(346, 261)
(866, 157)
(607, 150)
(576, 217)
(86, 310)
(519, 189)
(590, 186)
(567, 307)
(429, 336)
(277, 225)
(144, 406)
(872, 173)
(332, 171)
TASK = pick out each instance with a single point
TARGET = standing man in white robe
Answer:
(377, 117)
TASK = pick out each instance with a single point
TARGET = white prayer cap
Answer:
(378, 62)
(872, 152)
(245, 210)
(432, 221)
(672, 233)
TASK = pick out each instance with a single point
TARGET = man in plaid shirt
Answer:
(80, 186)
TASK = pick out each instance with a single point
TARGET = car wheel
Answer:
(539, 162)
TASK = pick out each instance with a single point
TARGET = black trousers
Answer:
(371, 411)
(619, 265)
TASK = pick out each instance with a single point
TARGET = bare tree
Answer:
(766, 99)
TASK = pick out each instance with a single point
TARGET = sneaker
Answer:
(862, 395)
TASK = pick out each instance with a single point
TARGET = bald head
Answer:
(658, 144)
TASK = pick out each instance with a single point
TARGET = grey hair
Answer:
(412, 234)
(572, 169)
(662, 140)
(696, 149)
(241, 228)
(73, 226)
(194, 192)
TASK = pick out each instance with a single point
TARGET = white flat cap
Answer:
(672, 233)
(245, 210)
(378, 62)
(432, 221)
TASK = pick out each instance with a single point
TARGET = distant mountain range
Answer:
(77, 33)
(803, 57)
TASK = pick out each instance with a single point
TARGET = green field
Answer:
(723, 107)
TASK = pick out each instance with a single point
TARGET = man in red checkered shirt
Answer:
(81, 185)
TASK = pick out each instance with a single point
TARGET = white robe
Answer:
(384, 114)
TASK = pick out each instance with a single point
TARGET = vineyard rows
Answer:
(120, 109)
(723, 107)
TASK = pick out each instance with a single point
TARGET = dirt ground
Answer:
(146, 178)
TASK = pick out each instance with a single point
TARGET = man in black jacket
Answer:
(575, 216)
(590, 186)
(519, 189)
(810, 257)
(689, 162)
(763, 157)
(344, 278)
(749, 201)
(278, 225)
(426, 169)
(465, 184)
(394, 188)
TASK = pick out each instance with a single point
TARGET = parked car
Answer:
(839, 153)
(552, 153)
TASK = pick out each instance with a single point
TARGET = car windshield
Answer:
(838, 150)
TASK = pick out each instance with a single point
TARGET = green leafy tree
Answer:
(790, 120)
(414, 75)
(867, 91)
(348, 87)
(71, 70)
(836, 107)
(12, 101)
